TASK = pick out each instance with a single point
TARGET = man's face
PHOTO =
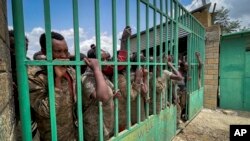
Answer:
(129, 31)
(60, 49)
(126, 33)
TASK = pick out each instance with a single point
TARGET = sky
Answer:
(62, 19)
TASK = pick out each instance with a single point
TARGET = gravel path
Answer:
(210, 125)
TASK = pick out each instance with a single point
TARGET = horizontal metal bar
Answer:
(54, 62)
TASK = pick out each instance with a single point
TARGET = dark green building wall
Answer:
(235, 71)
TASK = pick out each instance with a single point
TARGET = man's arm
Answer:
(136, 85)
(144, 88)
(39, 99)
(197, 54)
(175, 75)
(101, 85)
(198, 57)
(125, 35)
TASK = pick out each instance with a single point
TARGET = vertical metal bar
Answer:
(50, 70)
(97, 29)
(98, 45)
(171, 9)
(128, 70)
(179, 15)
(166, 50)
(203, 54)
(200, 48)
(171, 46)
(176, 34)
(196, 64)
(114, 35)
(191, 64)
(154, 55)
(147, 54)
(186, 19)
(185, 16)
(195, 61)
(138, 58)
(197, 49)
(182, 16)
(78, 70)
(190, 57)
(22, 77)
(176, 41)
(191, 21)
(188, 74)
(161, 67)
(48, 30)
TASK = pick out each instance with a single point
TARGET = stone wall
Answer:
(212, 66)
(7, 114)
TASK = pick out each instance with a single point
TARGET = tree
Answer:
(245, 28)
(221, 17)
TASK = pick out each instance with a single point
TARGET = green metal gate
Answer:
(246, 98)
(155, 127)
(235, 71)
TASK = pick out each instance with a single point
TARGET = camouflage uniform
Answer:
(123, 102)
(161, 83)
(91, 110)
(64, 102)
(181, 93)
(181, 105)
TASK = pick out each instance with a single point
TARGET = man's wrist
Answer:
(96, 70)
(136, 85)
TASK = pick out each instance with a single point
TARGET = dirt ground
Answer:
(212, 125)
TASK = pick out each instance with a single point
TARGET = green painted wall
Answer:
(160, 127)
(195, 102)
(234, 71)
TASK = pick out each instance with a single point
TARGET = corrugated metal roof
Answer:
(133, 41)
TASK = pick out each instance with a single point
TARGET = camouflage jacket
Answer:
(91, 109)
(64, 102)
(161, 83)
(134, 91)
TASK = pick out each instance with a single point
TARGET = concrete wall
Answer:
(212, 66)
(7, 114)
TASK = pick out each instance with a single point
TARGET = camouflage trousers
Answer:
(181, 103)
(35, 132)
